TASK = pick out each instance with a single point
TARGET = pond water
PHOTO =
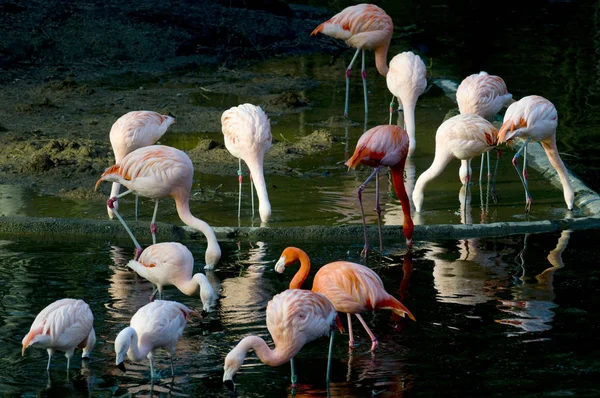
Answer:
(498, 316)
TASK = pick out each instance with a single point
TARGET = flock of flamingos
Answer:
(295, 316)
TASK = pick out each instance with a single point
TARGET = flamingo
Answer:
(131, 131)
(351, 287)
(484, 95)
(384, 145)
(158, 324)
(534, 118)
(364, 27)
(294, 318)
(460, 137)
(64, 325)
(407, 80)
(247, 133)
(171, 263)
(158, 171)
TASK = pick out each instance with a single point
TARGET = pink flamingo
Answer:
(158, 324)
(484, 95)
(534, 118)
(156, 172)
(294, 318)
(381, 146)
(351, 287)
(63, 325)
(460, 137)
(407, 80)
(131, 131)
(364, 27)
(247, 133)
(171, 263)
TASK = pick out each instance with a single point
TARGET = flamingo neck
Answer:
(258, 177)
(135, 352)
(409, 123)
(267, 356)
(213, 250)
(302, 274)
(440, 161)
(188, 287)
(556, 162)
(381, 59)
(398, 180)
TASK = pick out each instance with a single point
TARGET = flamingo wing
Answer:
(160, 323)
(407, 77)
(482, 94)
(247, 130)
(384, 145)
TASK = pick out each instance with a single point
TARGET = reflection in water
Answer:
(533, 301)
(78, 383)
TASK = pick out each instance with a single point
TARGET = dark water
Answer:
(505, 316)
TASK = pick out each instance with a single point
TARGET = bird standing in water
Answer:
(63, 325)
(158, 324)
(156, 172)
(407, 80)
(534, 118)
(171, 263)
(131, 131)
(460, 137)
(247, 134)
(294, 318)
(352, 288)
(484, 95)
(364, 27)
(384, 145)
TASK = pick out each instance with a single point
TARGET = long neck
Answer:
(439, 163)
(188, 287)
(398, 180)
(409, 124)
(213, 250)
(258, 177)
(556, 162)
(381, 60)
(135, 353)
(302, 273)
(270, 357)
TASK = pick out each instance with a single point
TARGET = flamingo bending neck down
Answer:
(351, 287)
(364, 27)
(156, 172)
(171, 263)
(131, 131)
(247, 134)
(534, 118)
(384, 145)
(294, 318)
(460, 137)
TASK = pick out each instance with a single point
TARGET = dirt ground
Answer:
(68, 70)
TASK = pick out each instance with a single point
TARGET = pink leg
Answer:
(375, 343)
(351, 341)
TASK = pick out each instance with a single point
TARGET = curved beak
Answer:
(508, 129)
(280, 265)
(122, 366)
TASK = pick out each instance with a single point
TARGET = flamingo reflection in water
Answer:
(533, 301)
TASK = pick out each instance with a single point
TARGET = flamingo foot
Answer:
(374, 344)
(528, 206)
(351, 344)
(365, 251)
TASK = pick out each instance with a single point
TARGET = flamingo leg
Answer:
(481, 169)
(110, 204)
(153, 223)
(151, 359)
(329, 355)
(137, 205)
(374, 341)
(351, 341)
(522, 175)
(348, 81)
(489, 173)
(50, 352)
(68, 354)
(294, 378)
(240, 194)
(362, 212)
(252, 193)
(153, 295)
(172, 368)
(391, 108)
(494, 195)
(363, 73)
(378, 210)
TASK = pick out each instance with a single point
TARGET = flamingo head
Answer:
(233, 362)
(289, 256)
(122, 344)
(510, 129)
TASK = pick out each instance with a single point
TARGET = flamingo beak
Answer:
(23, 350)
(280, 265)
(122, 366)
(229, 384)
(509, 129)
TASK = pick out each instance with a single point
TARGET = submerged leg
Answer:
(240, 193)
(523, 175)
(110, 204)
(329, 355)
(374, 341)
(153, 223)
(151, 359)
(363, 73)
(50, 352)
(494, 195)
(172, 368)
(294, 377)
(362, 212)
(351, 341)
(378, 210)
(348, 81)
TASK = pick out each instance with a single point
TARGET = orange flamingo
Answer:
(247, 133)
(351, 287)
(294, 318)
(156, 172)
(158, 324)
(381, 146)
(460, 137)
(407, 80)
(534, 118)
(63, 325)
(171, 263)
(131, 131)
(364, 27)
(484, 95)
